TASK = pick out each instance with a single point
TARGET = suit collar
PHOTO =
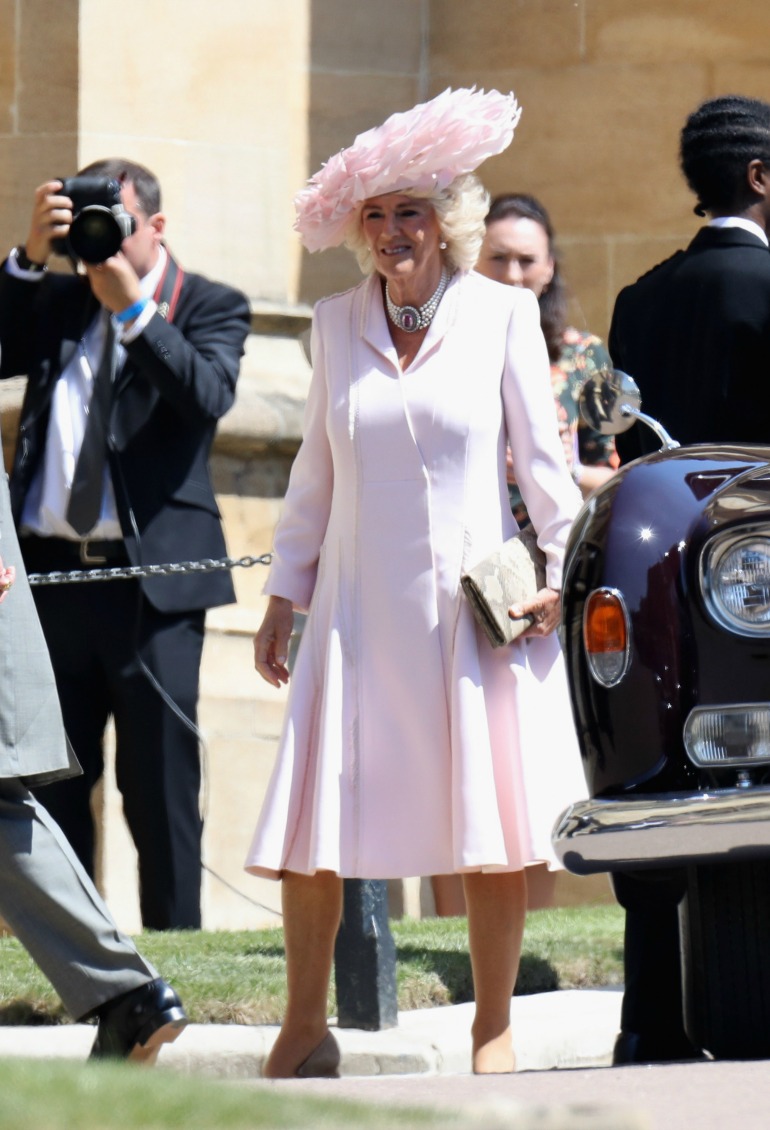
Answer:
(740, 222)
(725, 237)
(76, 321)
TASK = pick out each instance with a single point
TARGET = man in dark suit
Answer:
(130, 364)
(695, 335)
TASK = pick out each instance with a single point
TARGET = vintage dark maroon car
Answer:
(666, 629)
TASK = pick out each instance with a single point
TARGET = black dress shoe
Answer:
(134, 1025)
(631, 1047)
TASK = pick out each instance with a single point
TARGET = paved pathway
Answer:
(697, 1096)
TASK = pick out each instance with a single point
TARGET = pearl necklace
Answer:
(410, 319)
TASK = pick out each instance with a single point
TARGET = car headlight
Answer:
(728, 735)
(735, 576)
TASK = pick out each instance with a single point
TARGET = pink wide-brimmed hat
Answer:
(423, 148)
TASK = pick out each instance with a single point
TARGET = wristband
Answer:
(24, 263)
(131, 312)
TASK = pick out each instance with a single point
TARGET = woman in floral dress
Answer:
(519, 250)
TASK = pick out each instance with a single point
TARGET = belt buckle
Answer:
(86, 557)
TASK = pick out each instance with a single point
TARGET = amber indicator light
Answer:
(604, 623)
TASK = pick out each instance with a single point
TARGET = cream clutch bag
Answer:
(512, 575)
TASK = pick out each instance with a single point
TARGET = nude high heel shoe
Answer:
(323, 1062)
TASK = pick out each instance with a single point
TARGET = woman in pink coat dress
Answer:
(410, 745)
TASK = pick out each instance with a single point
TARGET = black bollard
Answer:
(365, 958)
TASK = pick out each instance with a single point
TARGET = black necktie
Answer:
(85, 502)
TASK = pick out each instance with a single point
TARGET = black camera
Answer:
(100, 223)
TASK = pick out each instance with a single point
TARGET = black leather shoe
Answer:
(631, 1047)
(134, 1025)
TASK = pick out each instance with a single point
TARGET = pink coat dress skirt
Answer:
(410, 746)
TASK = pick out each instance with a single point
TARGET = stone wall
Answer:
(211, 96)
(605, 87)
(234, 103)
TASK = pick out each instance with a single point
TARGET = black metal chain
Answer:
(128, 572)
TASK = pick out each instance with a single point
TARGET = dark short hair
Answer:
(146, 184)
(553, 301)
(718, 141)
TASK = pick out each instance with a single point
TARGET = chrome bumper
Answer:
(671, 829)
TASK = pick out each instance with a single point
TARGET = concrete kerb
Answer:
(570, 1028)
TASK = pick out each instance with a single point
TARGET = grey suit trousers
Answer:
(56, 912)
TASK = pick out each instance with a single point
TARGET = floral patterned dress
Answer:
(582, 356)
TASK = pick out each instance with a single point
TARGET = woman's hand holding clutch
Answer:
(545, 610)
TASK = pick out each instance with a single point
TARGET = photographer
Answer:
(130, 363)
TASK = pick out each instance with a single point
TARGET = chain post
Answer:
(365, 958)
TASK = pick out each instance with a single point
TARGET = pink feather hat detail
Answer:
(422, 148)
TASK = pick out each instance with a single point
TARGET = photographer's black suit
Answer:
(695, 335)
(178, 379)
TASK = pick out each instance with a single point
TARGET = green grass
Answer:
(59, 1096)
(238, 978)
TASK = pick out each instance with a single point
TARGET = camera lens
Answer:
(95, 234)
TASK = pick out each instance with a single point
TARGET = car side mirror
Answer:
(609, 401)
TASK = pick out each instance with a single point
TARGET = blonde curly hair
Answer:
(460, 210)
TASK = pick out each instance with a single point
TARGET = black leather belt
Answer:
(41, 553)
